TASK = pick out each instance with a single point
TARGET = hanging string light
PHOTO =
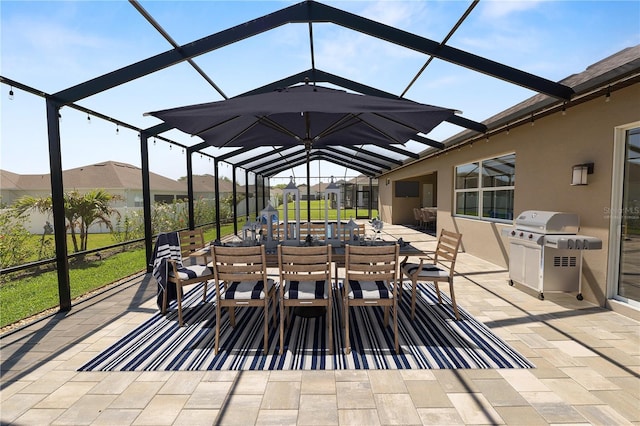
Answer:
(117, 129)
(11, 93)
(88, 119)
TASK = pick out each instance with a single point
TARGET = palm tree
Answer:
(80, 210)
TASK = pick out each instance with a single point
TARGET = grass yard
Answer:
(30, 295)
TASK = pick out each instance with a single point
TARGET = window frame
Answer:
(480, 190)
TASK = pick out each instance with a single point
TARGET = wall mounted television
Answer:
(407, 189)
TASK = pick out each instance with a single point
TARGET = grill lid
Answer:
(548, 222)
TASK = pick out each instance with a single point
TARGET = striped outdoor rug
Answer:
(432, 341)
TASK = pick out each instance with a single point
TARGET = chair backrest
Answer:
(190, 241)
(417, 214)
(304, 263)
(372, 263)
(237, 264)
(447, 248)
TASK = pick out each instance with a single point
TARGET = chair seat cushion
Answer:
(192, 271)
(246, 290)
(369, 290)
(306, 290)
(428, 270)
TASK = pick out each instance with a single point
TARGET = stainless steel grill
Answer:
(546, 251)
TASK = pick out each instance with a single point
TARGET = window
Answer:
(484, 189)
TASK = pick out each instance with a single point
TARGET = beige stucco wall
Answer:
(545, 154)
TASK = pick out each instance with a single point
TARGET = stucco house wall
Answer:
(545, 153)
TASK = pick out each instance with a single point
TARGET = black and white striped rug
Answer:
(432, 341)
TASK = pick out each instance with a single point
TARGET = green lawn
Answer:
(30, 295)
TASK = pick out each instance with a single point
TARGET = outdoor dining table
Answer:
(338, 253)
(338, 258)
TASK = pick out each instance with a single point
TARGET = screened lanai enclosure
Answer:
(264, 145)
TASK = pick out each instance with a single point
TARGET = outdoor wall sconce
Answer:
(580, 172)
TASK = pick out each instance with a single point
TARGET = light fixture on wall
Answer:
(579, 173)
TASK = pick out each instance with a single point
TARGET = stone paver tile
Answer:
(154, 376)
(161, 410)
(482, 373)
(220, 376)
(500, 393)
(558, 358)
(37, 416)
(281, 396)
(208, 395)
(66, 395)
(90, 376)
(11, 388)
(240, 410)
(535, 341)
(524, 415)
(408, 375)
(319, 409)
(251, 383)
(571, 392)
(440, 416)
(474, 408)
(196, 418)
(628, 384)
(427, 394)
(318, 382)
(559, 413)
(386, 381)
(182, 382)
(351, 375)
(354, 395)
(396, 409)
(116, 416)
(277, 417)
(454, 381)
(547, 397)
(523, 380)
(590, 379)
(358, 417)
(137, 395)
(285, 376)
(628, 405)
(602, 415)
(607, 368)
(545, 370)
(114, 383)
(85, 410)
(573, 348)
(49, 382)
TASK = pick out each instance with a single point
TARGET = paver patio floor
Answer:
(587, 369)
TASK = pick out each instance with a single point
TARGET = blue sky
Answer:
(54, 45)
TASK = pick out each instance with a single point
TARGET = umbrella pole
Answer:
(308, 190)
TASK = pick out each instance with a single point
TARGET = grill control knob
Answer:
(530, 236)
(521, 234)
(513, 233)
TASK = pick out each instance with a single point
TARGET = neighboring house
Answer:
(120, 179)
(481, 183)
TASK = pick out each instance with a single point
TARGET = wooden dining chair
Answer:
(438, 267)
(241, 281)
(371, 279)
(305, 281)
(187, 270)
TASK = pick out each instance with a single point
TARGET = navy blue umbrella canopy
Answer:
(308, 115)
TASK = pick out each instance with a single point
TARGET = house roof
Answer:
(617, 70)
(107, 175)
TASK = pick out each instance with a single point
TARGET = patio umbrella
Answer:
(312, 115)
